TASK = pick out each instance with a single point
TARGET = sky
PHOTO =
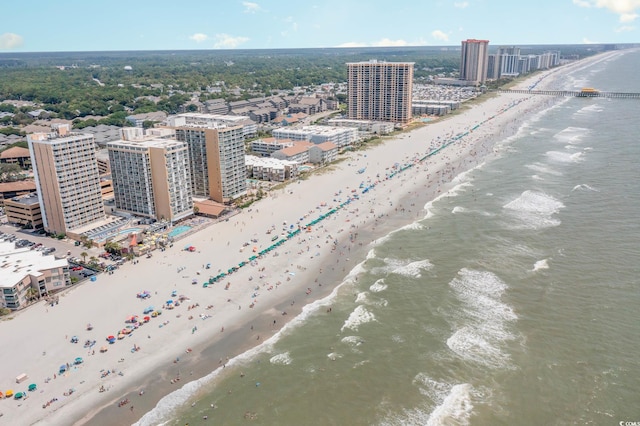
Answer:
(94, 25)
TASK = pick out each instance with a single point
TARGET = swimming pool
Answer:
(179, 230)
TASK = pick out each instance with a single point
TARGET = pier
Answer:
(575, 93)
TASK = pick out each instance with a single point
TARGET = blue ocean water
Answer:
(512, 302)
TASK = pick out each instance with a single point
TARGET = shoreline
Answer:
(152, 369)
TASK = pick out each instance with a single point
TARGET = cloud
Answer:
(10, 41)
(587, 41)
(625, 8)
(388, 42)
(628, 17)
(440, 35)
(352, 44)
(226, 41)
(251, 7)
(199, 37)
(623, 28)
(461, 4)
(385, 42)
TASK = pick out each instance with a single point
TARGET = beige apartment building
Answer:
(216, 156)
(474, 60)
(151, 178)
(380, 91)
(67, 179)
(24, 211)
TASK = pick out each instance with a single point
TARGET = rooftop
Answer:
(15, 263)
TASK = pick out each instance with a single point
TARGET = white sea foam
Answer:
(334, 356)
(572, 135)
(484, 322)
(564, 157)
(371, 254)
(536, 177)
(281, 359)
(541, 264)
(459, 209)
(406, 268)
(413, 226)
(588, 110)
(378, 286)
(352, 340)
(535, 210)
(453, 405)
(584, 187)
(542, 168)
(359, 316)
(361, 297)
(455, 409)
(413, 269)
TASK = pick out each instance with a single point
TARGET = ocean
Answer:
(513, 301)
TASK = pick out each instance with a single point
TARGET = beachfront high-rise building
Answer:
(474, 60)
(380, 91)
(67, 179)
(216, 156)
(151, 177)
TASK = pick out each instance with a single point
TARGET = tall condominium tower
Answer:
(67, 179)
(216, 155)
(151, 177)
(474, 60)
(380, 90)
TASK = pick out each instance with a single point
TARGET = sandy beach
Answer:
(214, 324)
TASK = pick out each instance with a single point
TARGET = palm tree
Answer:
(32, 294)
(84, 255)
(93, 260)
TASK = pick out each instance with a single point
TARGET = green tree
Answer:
(10, 172)
(84, 255)
(32, 294)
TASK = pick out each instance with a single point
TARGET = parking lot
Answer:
(64, 248)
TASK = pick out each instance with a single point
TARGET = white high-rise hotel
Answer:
(380, 91)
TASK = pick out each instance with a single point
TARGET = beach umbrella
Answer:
(32, 387)
(18, 395)
(78, 360)
(147, 319)
(9, 393)
(104, 349)
(170, 301)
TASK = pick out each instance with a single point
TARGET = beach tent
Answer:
(111, 339)
(8, 393)
(62, 369)
(19, 395)
(78, 360)
(104, 349)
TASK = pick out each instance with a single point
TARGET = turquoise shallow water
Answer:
(513, 302)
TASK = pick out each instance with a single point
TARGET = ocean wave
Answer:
(407, 268)
(542, 168)
(361, 297)
(455, 409)
(359, 316)
(483, 324)
(584, 186)
(534, 210)
(378, 286)
(459, 209)
(413, 226)
(352, 340)
(564, 157)
(572, 135)
(540, 265)
(453, 405)
(281, 359)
